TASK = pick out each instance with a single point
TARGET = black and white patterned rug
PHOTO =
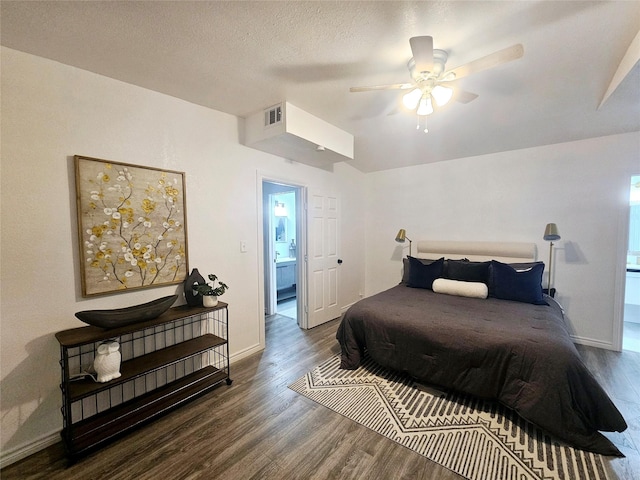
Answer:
(478, 439)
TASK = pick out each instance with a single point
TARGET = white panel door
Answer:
(270, 296)
(323, 257)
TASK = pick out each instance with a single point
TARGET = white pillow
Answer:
(460, 288)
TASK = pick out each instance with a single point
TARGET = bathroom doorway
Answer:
(282, 222)
(631, 324)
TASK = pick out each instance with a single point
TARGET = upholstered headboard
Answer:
(507, 252)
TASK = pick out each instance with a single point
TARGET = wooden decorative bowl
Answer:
(120, 317)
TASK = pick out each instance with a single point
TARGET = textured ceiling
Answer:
(241, 57)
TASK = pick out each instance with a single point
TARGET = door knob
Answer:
(339, 261)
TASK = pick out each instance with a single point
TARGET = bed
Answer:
(511, 345)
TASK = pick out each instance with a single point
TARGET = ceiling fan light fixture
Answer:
(411, 99)
(442, 95)
(430, 79)
(425, 107)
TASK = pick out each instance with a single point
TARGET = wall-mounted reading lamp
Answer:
(551, 234)
(401, 236)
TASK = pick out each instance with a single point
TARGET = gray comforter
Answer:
(517, 353)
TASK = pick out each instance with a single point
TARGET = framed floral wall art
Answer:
(132, 228)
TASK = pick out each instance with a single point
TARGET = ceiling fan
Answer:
(431, 82)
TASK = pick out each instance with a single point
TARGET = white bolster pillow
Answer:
(460, 288)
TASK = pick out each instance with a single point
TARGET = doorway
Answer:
(281, 237)
(631, 324)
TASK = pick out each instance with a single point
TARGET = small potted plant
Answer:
(210, 293)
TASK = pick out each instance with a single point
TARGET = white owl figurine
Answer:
(107, 361)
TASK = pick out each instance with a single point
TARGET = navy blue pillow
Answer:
(421, 275)
(506, 283)
(467, 271)
(406, 266)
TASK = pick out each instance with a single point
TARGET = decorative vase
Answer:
(192, 298)
(209, 300)
(107, 361)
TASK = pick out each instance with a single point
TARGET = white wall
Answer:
(581, 186)
(51, 112)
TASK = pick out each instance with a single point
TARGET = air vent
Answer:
(273, 115)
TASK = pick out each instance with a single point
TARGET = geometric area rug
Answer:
(476, 438)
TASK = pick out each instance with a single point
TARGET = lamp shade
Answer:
(551, 232)
(402, 234)
(425, 107)
(441, 95)
(411, 99)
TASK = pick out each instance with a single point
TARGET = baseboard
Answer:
(590, 342)
(18, 453)
(346, 307)
(246, 352)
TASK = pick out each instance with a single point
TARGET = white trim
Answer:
(302, 273)
(245, 353)
(346, 307)
(590, 342)
(260, 262)
(620, 279)
(16, 454)
(301, 187)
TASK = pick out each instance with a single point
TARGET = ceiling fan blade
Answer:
(461, 96)
(422, 50)
(493, 60)
(395, 86)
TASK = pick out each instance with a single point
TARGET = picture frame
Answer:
(132, 226)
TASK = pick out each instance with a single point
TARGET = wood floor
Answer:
(259, 429)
